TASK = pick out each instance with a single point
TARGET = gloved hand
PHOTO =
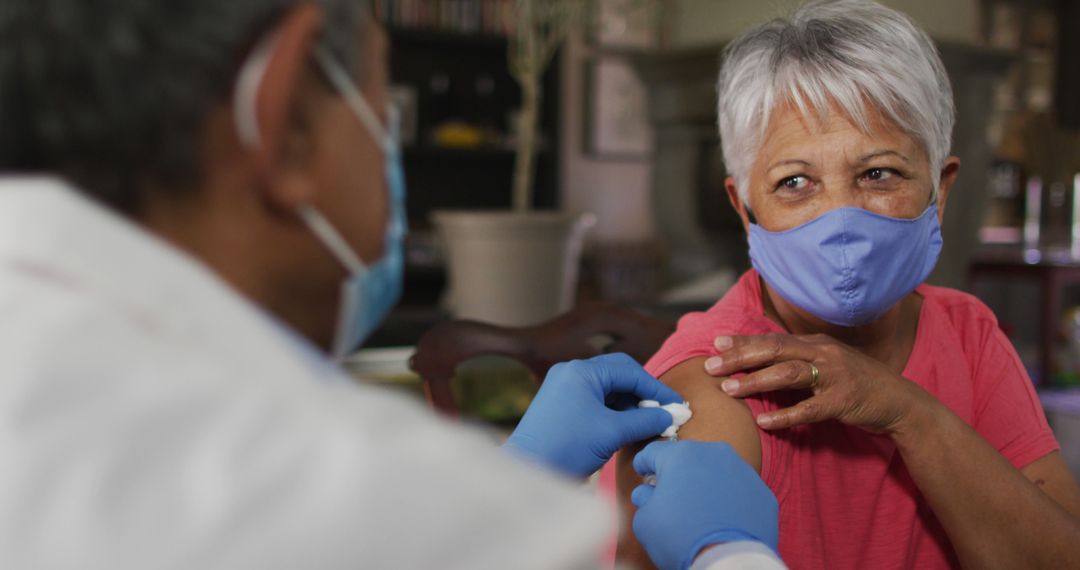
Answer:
(570, 427)
(704, 494)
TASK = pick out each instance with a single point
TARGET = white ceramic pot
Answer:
(512, 269)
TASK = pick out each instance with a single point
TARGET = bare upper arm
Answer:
(717, 417)
(1050, 474)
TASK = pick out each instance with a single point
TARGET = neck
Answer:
(889, 339)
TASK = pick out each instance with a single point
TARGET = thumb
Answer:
(642, 423)
(641, 495)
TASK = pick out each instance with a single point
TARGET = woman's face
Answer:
(807, 167)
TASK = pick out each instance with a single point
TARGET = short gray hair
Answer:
(853, 53)
(114, 96)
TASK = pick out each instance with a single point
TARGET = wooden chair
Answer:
(584, 332)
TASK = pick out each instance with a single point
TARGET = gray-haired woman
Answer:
(892, 419)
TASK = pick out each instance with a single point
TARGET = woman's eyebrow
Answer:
(881, 153)
(787, 162)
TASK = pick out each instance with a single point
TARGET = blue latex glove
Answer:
(705, 494)
(586, 410)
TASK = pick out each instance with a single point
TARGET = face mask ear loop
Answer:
(245, 110)
(248, 82)
(344, 85)
(332, 239)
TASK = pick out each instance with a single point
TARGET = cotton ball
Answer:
(680, 414)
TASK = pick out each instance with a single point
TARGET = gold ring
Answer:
(815, 375)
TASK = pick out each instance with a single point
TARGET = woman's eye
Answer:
(794, 183)
(879, 174)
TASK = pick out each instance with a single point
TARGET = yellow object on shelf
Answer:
(458, 135)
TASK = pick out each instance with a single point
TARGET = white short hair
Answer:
(856, 54)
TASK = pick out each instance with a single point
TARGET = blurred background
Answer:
(625, 150)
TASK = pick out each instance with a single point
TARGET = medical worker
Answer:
(199, 201)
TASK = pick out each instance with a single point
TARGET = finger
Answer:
(642, 423)
(749, 352)
(811, 410)
(618, 373)
(646, 460)
(641, 495)
(786, 375)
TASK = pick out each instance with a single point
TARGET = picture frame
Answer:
(616, 122)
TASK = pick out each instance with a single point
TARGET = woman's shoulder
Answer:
(959, 308)
(951, 314)
(738, 312)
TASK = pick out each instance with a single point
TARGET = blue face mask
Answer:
(369, 292)
(849, 266)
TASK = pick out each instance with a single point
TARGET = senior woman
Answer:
(892, 419)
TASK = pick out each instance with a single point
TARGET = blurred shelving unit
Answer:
(450, 77)
(1028, 268)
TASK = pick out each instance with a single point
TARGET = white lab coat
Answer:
(151, 418)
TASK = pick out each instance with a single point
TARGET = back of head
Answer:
(114, 95)
(858, 55)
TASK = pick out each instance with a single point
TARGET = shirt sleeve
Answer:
(1007, 409)
(695, 335)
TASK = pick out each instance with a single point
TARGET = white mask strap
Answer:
(245, 109)
(333, 240)
(245, 104)
(253, 72)
(341, 81)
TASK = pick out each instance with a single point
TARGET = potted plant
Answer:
(520, 267)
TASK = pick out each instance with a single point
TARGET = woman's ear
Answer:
(279, 102)
(949, 171)
(736, 202)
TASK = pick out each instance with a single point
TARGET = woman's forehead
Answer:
(791, 131)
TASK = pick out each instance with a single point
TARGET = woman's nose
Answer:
(842, 193)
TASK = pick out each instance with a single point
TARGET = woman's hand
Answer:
(846, 385)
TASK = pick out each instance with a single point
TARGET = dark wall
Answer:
(1068, 78)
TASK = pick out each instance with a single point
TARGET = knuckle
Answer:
(808, 409)
(749, 382)
(793, 370)
(576, 366)
(574, 370)
(776, 345)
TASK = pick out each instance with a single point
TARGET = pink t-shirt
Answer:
(846, 499)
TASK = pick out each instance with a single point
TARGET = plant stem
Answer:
(525, 162)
